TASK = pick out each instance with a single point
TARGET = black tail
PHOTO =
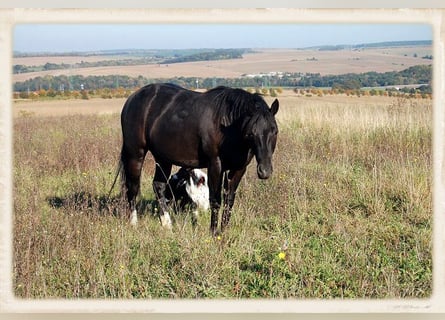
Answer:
(120, 171)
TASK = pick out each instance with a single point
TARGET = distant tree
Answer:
(349, 84)
(84, 95)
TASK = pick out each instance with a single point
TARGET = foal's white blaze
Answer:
(166, 221)
(134, 218)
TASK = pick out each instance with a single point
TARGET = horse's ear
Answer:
(274, 107)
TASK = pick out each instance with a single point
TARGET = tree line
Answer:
(218, 54)
(423, 92)
(19, 68)
(421, 74)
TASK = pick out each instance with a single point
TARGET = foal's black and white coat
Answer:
(188, 189)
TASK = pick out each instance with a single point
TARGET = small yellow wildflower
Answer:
(282, 255)
(218, 238)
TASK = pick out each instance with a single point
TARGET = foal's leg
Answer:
(231, 182)
(160, 179)
(132, 164)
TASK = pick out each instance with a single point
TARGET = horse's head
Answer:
(261, 133)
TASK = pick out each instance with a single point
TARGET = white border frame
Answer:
(9, 17)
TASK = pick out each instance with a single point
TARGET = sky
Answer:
(93, 37)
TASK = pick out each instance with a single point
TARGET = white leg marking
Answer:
(134, 218)
(165, 220)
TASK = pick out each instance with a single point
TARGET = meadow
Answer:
(346, 214)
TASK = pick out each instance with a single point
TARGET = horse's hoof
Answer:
(166, 222)
(215, 233)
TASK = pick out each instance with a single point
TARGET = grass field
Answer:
(346, 214)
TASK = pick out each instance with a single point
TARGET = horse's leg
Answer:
(231, 182)
(132, 167)
(160, 179)
(214, 181)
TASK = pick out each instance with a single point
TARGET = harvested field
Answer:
(264, 61)
(67, 107)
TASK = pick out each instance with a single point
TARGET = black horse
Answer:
(221, 130)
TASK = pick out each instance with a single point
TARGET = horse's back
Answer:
(148, 101)
(142, 97)
(167, 120)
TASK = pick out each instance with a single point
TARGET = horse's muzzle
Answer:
(264, 172)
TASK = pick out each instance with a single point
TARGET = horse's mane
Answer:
(232, 104)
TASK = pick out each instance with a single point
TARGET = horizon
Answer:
(118, 50)
(40, 38)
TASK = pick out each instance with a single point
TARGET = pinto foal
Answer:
(188, 189)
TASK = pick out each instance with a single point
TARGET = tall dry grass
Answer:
(346, 214)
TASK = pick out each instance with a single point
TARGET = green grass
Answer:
(346, 214)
